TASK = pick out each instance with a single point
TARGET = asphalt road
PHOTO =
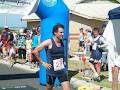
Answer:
(19, 79)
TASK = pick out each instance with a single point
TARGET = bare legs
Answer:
(115, 71)
(65, 86)
(93, 68)
(49, 87)
(96, 69)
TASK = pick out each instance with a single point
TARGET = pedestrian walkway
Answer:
(21, 66)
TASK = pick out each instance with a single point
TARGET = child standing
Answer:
(28, 49)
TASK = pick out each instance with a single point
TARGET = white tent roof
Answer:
(69, 3)
(31, 17)
(34, 17)
(93, 10)
(22, 7)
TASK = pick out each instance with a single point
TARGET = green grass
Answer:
(76, 65)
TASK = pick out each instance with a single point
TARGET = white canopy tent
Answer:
(96, 11)
(31, 17)
(112, 35)
(22, 7)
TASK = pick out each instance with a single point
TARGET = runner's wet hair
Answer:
(55, 28)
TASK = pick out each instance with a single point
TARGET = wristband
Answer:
(43, 63)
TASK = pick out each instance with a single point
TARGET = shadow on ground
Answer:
(72, 73)
(103, 77)
(19, 76)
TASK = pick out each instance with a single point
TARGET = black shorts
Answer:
(51, 79)
(22, 53)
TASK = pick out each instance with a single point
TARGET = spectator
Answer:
(28, 49)
(21, 44)
(96, 54)
(81, 40)
(5, 40)
(35, 43)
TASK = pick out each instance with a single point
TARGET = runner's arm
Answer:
(38, 49)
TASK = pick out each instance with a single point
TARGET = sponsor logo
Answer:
(49, 3)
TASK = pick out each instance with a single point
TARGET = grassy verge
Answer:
(75, 65)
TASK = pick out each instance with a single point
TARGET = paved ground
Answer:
(20, 77)
(17, 78)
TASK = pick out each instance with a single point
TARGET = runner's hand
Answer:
(46, 65)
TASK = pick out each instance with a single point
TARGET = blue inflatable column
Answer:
(52, 12)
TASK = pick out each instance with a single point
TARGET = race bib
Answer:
(58, 64)
(94, 47)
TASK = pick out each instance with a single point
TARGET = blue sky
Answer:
(12, 20)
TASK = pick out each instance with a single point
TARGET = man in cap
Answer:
(5, 40)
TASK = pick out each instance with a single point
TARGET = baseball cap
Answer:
(6, 27)
(21, 30)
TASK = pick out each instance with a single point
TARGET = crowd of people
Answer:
(26, 46)
(19, 45)
(98, 47)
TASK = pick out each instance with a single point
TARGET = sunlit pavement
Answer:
(20, 77)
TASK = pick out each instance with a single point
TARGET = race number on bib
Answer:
(58, 64)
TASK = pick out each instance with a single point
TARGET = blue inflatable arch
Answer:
(51, 12)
